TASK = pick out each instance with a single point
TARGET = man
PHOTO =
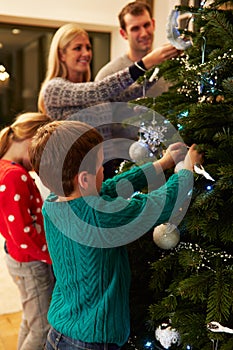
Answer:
(137, 25)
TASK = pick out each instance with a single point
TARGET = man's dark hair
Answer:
(134, 8)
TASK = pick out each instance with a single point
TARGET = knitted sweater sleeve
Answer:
(156, 206)
(132, 92)
(110, 221)
(122, 221)
(129, 182)
(62, 93)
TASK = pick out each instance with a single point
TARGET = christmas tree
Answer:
(191, 285)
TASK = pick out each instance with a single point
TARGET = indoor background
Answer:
(26, 29)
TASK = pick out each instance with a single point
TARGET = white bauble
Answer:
(179, 166)
(166, 236)
(174, 35)
(139, 151)
(167, 336)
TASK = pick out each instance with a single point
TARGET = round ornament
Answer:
(167, 336)
(138, 151)
(219, 98)
(166, 236)
(173, 33)
(179, 166)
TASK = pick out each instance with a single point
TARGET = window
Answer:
(23, 52)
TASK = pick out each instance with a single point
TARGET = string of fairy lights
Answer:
(206, 84)
(204, 256)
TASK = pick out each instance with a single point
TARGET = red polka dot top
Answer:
(21, 220)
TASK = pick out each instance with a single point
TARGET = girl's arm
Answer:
(23, 216)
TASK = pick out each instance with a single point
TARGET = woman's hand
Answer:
(159, 55)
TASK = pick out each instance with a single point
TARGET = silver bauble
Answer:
(167, 336)
(179, 166)
(173, 34)
(139, 151)
(166, 236)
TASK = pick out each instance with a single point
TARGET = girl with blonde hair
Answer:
(27, 257)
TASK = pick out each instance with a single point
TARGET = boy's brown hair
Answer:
(60, 150)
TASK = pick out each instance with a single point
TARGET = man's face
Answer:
(139, 31)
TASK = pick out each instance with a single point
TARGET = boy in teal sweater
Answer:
(88, 222)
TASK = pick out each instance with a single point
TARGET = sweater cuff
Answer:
(137, 70)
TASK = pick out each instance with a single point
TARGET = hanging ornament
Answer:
(179, 166)
(138, 151)
(167, 336)
(219, 98)
(154, 75)
(179, 41)
(198, 169)
(166, 236)
(151, 138)
(209, 88)
(217, 327)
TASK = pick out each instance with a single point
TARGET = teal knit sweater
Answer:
(86, 239)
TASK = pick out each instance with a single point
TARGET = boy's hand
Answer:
(178, 152)
(192, 158)
(174, 154)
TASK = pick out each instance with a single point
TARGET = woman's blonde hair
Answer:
(24, 127)
(55, 67)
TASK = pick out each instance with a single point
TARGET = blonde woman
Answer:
(67, 87)
(27, 256)
(68, 93)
